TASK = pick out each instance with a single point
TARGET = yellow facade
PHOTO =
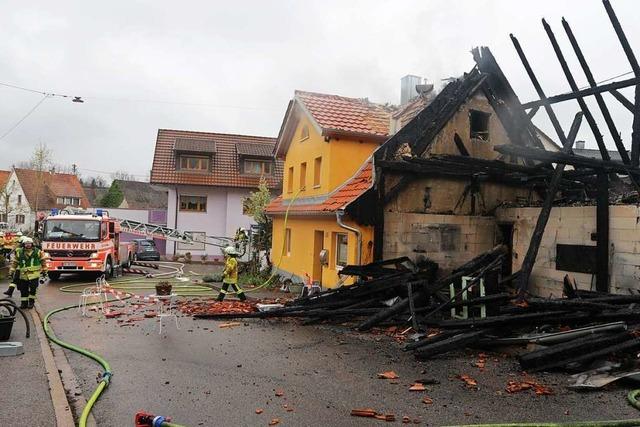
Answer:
(314, 167)
(301, 249)
(340, 160)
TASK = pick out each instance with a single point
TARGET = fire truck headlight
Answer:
(94, 255)
(94, 264)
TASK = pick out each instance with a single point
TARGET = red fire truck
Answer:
(75, 242)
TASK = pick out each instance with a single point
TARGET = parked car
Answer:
(145, 250)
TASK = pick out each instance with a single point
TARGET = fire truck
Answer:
(79, 241)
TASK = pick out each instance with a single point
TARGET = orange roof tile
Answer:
(225, 171)
(52, 186)
(4, 177)
(350, 115)
(342, 196)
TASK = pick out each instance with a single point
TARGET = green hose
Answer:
(614, 423)
(106, 376)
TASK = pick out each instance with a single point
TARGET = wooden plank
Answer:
(543, 217)
(602, 233)
(599, 99)
(623, 100)
(453, 343)
(460, 145)
(597, 135)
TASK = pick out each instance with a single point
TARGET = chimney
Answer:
(579, 145)
(408, 88)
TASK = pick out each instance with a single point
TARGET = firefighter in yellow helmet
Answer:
(29, 265)
(11, 251)
(231, 274)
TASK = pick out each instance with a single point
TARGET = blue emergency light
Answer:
(98, 212)
(54, 211)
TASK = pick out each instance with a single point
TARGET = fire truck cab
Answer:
(75, 242)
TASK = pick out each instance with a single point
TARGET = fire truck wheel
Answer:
(54, 276)
(108, 271)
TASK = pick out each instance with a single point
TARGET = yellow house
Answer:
(326, 142)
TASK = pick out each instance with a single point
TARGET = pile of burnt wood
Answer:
(577, 329)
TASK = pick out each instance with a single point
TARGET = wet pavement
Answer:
(24, 395)
(204, 375)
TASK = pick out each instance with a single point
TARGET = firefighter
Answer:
(231, 274)
(12, 250)
(29, 266)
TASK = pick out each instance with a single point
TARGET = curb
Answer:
(60, 373)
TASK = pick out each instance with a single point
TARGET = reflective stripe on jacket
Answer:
(30, 265)
(230, 271)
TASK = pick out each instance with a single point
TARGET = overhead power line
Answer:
(35, 107)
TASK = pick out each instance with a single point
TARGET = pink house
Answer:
(207, 175)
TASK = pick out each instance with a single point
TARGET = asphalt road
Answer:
(202, 375)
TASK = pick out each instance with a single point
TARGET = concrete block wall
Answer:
(449, 240)
(574, 225)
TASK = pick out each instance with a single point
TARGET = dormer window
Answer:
(69, 201)
(258, 167)
(193, 163)
(194, 155)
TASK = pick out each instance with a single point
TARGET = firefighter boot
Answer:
(24, 303)
(31, 302)
(9, 291)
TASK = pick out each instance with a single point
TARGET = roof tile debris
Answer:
(225, 170)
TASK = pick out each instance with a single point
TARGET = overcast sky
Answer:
(232, 66)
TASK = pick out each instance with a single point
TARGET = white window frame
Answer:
(339, 265)
(192, 210)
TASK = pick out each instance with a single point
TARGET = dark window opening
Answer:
(426, 199)
(479, 125)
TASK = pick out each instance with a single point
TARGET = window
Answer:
(3, 217)
(192, 163)
(258, 167)
(19, 199)
(72, 201)
(317, 167)
(290, 180)
(193, 203)
(341, 249)
(287, 242)
(479, 125)
(303, 175)
(304, 133)
(19, 219)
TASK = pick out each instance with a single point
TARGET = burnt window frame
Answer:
(477, 135)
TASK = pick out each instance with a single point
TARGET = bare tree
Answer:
(41, 161)
(123, 176)
(5, 198)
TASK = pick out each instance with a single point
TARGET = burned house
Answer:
(471, 171)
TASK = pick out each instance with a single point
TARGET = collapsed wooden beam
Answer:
(617, 139)
(623, 100)
(592, 91)
(543, 217)
(597, 135)
(635, 134)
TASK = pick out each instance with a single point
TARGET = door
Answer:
(318, 245)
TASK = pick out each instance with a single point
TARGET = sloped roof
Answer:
(349, 115)
(95, 194)
(4, 177)
(194, 145)
(225, 171)
(142, 195)
(338, 199)
(49, 187)
(257, 150)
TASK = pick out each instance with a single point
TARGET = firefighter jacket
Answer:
(230, 270)
(29, 263)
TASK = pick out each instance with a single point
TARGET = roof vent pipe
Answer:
(339, 215)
